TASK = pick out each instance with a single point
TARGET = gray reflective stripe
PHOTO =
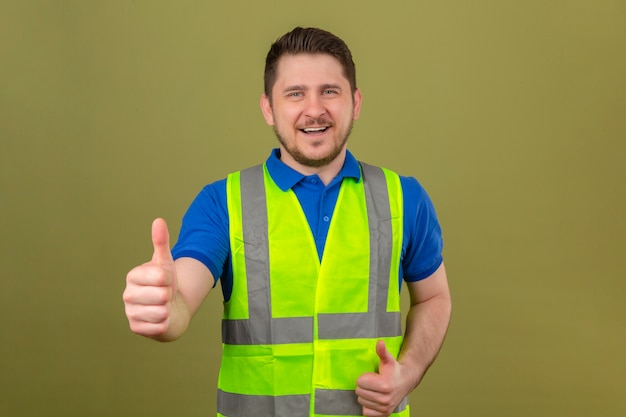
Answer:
(337, 402)
(344, 403)
(254, 215)
(299, 329)
(377, 322)
(381, 249)
(359, 325)
(255, 331)
(240, 405)
(329, 402)
(261, 328)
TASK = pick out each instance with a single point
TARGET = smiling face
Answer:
(311, 109)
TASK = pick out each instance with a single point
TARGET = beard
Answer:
(302, 159)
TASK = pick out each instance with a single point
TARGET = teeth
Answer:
(314, 129)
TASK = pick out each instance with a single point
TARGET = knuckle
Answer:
(163, 295)
(159, 296)
(157, 276)
(134, 274)
(136, 327)
(157, 329)
(133, 316)
(147, 274)
(161, 314)
(127, 296)
(386, 389)
(147, 329)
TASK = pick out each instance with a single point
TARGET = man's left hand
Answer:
(380, 393)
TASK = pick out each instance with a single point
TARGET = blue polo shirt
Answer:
(204, 234)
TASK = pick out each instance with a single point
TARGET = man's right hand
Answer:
(151, 288)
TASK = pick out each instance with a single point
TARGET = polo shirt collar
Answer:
(286, 177)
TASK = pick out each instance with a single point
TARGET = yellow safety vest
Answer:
(297, 332)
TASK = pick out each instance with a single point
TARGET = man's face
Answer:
(312, 109)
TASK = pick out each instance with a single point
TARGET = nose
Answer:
(314, 107)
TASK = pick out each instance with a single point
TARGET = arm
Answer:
(426, 327)
(427, 323)
(162, 295)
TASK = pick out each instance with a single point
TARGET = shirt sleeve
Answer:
(423, 242)
(204, 231)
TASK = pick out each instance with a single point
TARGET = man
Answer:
(311, 249)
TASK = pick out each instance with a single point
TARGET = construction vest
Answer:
(297, 333)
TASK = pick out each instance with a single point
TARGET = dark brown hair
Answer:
(308, 41)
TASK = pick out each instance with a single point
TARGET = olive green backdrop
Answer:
(510, 113)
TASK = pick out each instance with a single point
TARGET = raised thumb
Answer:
(161, 243)
(387, 360)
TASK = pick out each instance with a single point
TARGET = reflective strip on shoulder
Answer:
(381, 250)
(260, 328)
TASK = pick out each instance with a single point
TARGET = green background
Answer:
(512, 114)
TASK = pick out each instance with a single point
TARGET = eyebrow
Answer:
(305, 88)
(294, 88)
(334, 86)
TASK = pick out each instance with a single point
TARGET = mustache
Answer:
(317, 121)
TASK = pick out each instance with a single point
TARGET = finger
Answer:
(372, 411)
(148, 329)
(147, 295)
(374, 406)
(149, 274)
(367, 403)
(161, 243)
(148, 314)
(366, 383)
(368, 412)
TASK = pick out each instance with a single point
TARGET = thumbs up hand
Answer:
(380, 393)
(151, 287)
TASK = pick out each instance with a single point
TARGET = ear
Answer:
(266, 109)
(357, 104)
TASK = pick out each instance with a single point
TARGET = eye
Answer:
(330, 91)
(294, 94)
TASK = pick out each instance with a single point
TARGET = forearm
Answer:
(427, 321)
(426, 327)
